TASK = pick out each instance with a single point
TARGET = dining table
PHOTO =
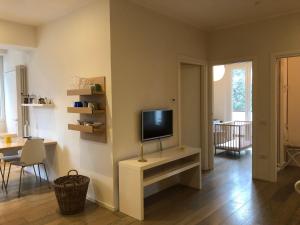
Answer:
(18, 143)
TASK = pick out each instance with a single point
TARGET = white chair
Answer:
(33, 153)
(7, 158)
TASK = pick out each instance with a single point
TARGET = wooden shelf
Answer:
(84, 110)
(169, 172)
(98, 134)
(85, 129)
(38, 105)
(88, 91)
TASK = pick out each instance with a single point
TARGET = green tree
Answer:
(238, 90)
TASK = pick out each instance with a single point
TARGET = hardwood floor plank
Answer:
(229, 197)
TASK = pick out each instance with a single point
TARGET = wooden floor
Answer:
(228, 197)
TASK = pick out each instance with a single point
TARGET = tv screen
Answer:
(156, 124)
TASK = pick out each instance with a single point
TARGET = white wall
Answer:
(222, 101)
(258, 41)
(75, 45)
(12, 58)
(145, 51)
(15, 57)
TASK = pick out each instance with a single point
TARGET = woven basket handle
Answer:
(72, 171)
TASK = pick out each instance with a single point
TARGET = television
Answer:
(156, 124)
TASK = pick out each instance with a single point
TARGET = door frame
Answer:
(206, 109)
(274, 106)
(254, 61)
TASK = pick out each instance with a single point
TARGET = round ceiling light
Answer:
(218, 72)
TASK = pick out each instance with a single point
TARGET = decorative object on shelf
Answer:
(98, 87)
(78, 104)
(26, 99)
(91, 107)
(75, 82)
(141, 159)
(32, 100)
(42, 101)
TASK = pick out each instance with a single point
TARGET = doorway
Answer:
(232, 113)
(288, 129)
(193, 109)
(190, 105)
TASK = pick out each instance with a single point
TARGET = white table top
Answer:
(161, 157)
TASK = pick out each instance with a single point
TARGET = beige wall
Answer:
(258, 41)
(222, 103)
(17, 34)
(75, 45)
(145, 51)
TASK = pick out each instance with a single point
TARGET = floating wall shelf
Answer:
(85, 129)
(84, 110)
(38, 105)
(88, 114)
(87, 91)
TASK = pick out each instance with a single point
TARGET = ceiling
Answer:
(37, 12)
(214, 14)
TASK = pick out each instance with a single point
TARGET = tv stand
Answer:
(134, 176)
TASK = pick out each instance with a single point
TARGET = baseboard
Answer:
(102, 204)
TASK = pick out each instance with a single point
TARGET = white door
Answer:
(12, 102)
(190, 105)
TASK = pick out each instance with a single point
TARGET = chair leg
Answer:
(46, 174)
(20, 181)
(2, 177)
(3, 181)
(34, 172)
(39, 172)
(4, 166)
(8, 175)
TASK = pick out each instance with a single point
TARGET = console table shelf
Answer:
(168, 173)
(134, 176)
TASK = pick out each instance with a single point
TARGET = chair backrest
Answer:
(33, 151)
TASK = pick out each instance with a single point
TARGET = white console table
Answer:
(134, 176)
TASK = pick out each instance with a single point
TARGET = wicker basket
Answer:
(71, 192)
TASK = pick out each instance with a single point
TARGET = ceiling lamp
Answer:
(218, 72)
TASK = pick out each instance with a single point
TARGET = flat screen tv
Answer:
(156, 124)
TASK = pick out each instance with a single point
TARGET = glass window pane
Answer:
(238, 90)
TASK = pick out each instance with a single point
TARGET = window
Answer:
(242, 92)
